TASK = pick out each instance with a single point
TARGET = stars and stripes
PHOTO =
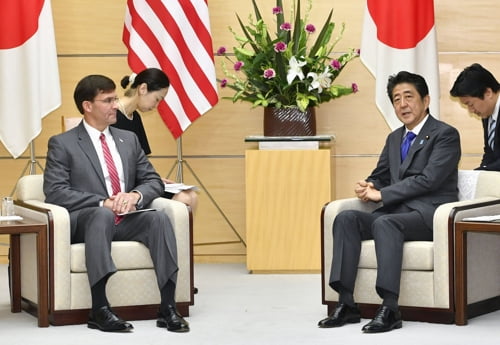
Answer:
(174, 35)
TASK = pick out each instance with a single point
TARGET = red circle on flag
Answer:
(18, 21)
(402, 24)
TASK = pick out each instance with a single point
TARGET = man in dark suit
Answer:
(98, 172)
(410, 187)
(478, 90)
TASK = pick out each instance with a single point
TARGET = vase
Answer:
(279, 122)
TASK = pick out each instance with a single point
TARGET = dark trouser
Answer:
(389, 228)
(96, 228)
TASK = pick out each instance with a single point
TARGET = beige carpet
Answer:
(234, 307)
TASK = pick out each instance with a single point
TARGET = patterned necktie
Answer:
(405, 146)
(113, 173)
(491, 134)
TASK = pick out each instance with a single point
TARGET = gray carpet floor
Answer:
(235, 307)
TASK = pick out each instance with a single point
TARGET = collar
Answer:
(94, 133)
(418, 127)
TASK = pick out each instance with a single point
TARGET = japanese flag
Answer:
(400, 35)
(29, 75)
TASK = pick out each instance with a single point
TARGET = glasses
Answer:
(109, 100)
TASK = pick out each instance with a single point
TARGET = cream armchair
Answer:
(427, 289)
(132, 290)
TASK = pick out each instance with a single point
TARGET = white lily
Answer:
(320, 81)
(295, 70)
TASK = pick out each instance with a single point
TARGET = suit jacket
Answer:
(491, 158)
(73, 176)
(427, 177)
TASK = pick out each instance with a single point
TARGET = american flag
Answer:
(174, 35)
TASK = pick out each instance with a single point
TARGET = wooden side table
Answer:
(461, 230)
(15, 229)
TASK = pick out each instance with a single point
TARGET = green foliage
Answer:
(287, 70)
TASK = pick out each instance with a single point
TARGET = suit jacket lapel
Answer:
(395, 151)
(89, 150)
(486, 123)
(419, 142)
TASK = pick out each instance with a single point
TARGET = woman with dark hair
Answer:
(143, 92)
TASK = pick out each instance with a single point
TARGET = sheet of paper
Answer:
(137, 211)
(178, 187)
(8, 218)
(493, 218)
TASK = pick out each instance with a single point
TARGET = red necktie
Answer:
(113, 173)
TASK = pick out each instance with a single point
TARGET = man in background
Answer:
(478, 90)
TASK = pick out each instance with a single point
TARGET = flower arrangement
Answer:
(288, 70)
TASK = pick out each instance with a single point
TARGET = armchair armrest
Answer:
(444, 225)
(59, 245)
(178, 213)
(181, 218)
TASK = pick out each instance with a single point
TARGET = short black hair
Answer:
(89, 87)
(473, 82)
(411, 78)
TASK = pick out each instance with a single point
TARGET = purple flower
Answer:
(238, 65)
(310, 28)
(286, 26)
(354, 87)
(269, 73)
(221, 51)
(280, 47)
(335, 64)
(277, 10)
(223, 83)
(358, 51)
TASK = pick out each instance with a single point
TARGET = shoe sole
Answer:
(352, 320)
(96, 326)
(397, 325)
(161, 324)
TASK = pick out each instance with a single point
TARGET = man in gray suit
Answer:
(98, 173)
(417, 171)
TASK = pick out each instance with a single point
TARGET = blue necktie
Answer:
(405, 146)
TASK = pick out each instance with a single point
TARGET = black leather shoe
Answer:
(341, 315)
(172, 320)
(105, 320)
(385, 320)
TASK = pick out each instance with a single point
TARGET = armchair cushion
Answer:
(126, 255)
(418, 255)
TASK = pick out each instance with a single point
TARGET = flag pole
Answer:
(31, 164)
(179, 178)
